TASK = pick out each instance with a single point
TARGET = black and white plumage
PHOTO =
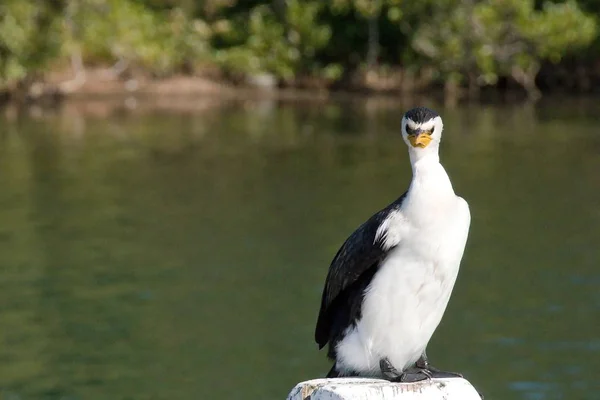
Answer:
(389, 284)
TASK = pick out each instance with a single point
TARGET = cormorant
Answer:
(389, 284)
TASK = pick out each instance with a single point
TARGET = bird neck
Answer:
(429, 176)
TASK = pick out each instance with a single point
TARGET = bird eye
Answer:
(409, 130)
(432, 129)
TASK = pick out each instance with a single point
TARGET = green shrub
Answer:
(161, 42)
(29, 39)
(480, 41)
(284, 47)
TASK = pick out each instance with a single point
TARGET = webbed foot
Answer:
(414, 374)
(423, 363)
(437, 373)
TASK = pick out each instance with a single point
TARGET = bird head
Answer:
(422, 129)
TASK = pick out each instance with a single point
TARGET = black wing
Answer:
(350, 273)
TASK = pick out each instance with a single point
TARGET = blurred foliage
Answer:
(456, 42)
(117, 30)
(28, 39)
(283, 43)
(480, 41)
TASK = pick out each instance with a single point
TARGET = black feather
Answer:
(350, 273)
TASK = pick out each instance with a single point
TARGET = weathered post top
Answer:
(378, 389)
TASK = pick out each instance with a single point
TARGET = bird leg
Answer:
(423, 363)
(333, 373)
(413, 374)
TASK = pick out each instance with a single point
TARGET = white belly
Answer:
(408, 296)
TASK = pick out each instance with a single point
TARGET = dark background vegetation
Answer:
(408, 45)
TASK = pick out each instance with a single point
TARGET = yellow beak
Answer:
(421, 140)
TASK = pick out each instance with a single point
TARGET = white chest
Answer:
(433, 233)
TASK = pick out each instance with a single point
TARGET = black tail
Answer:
(333, 373)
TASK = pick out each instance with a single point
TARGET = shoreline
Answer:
(101, 94)
(103, 83)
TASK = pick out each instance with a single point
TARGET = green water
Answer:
(181, 255)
